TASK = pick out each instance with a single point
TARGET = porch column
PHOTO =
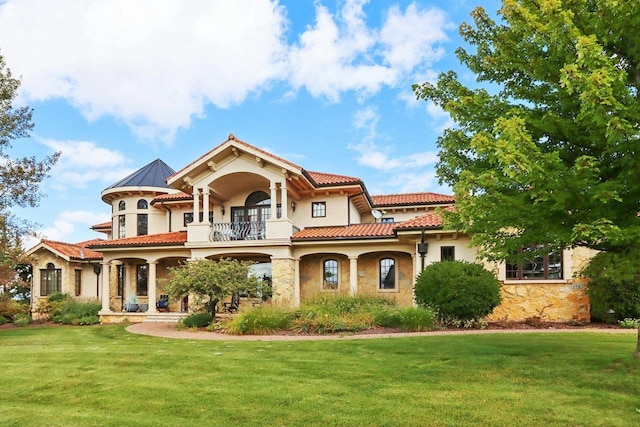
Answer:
(274, 200)
(104, 284)
(283, 199)
(296, 282)
(152, 287)
(205, 205)
(353, 275)
(196, 205)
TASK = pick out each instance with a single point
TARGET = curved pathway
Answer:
(169, 330)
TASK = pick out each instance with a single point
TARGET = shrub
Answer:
(89, 320)
(9, 308)
(22, 319)
(458, 290)
(417, 319)
(198, 320)
(390, 318)
(3, 320)
(57, 297)
(629, 323)
(614, 284)
(71, 312)
(258, 321)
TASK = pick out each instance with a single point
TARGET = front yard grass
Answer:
(103, 375)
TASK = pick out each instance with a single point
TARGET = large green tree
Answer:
(545, 148)
(19, 177)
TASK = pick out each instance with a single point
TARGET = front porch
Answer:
(139, 317)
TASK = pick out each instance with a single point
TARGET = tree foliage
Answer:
(210, 281)
(545, 149)
(614, 284)
(458, 290)
(19, 177)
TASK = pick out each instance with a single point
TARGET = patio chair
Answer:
(163, 303)
(233, 305)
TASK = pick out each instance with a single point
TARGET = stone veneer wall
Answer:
(283, 276)
(368, 277)
(548, 301)
(560, 302)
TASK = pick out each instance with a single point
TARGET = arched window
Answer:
(50, 280)
(387, 274)
(122, 205)
(330, 277)
(142, 204)
(258, 198)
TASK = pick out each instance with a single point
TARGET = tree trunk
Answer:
(637, 353)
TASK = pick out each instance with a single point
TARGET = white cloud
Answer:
(64, 226)
(153, 64)
(82, 163)
(441, 120)
(156, 64)
(386, 159)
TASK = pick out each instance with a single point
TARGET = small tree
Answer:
(210, 281)
(458, 290)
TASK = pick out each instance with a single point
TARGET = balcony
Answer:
(242, 230)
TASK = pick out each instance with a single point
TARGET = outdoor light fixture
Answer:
(222, 209)
(293, 205)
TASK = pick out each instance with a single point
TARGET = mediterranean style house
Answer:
(311, 233)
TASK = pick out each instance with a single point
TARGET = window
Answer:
(187, 218)
(120, 271)
(318, 209)
(122, 205)
(143, 224)
(387, 274)
(387, 220)
(121, 227)
(142, 204)
(447, 253)
(142, 279)
(78, 282)
(202, 216)
(330, 274)
(534, 267)
(50, 280)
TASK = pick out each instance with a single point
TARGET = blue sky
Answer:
(325, 84)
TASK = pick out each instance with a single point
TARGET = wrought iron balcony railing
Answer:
(243, 230)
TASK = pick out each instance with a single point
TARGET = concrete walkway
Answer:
(169, 330)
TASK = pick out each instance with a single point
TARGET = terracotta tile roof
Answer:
(176, 238)
(428, 220)
(324, 179)
(76, 251)
(411, 199)
(355, 231)
(102, 226)
(172, 197)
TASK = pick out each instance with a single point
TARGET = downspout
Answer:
(168, 210)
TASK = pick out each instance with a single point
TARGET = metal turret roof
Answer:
(154, 174)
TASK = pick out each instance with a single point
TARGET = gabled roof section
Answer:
(412, 199)
(154, 174)
(70, 251)
(176, 238)
(430, 220)
(231, 147)
(347, 232)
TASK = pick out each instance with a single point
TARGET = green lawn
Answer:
(104, 376)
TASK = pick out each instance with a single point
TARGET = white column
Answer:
(296, 282)
(196, 205)
(205, 205)
(353, 275)
(152, 287)
(104, 277)
(274, 200)
(283, 199)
